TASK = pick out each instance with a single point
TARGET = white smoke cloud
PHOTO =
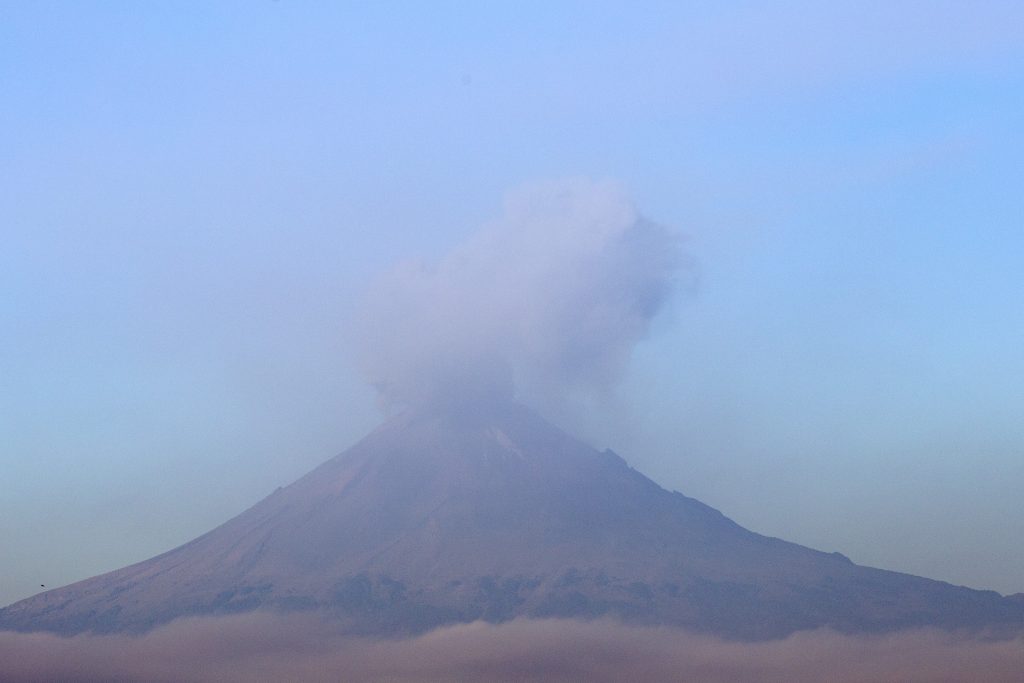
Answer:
(549, 299)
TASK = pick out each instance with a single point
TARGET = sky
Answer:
(195, 198)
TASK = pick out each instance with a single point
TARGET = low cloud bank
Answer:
(263, 647)
(546, 301)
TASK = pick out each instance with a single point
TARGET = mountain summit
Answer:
(438, 518)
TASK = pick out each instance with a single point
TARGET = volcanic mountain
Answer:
(437, 518)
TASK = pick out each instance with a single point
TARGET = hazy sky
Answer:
(194, 199)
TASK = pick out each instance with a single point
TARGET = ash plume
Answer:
(548, 300)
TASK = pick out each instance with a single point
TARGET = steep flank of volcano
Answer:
(434, 519)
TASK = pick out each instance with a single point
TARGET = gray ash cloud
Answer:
(547, 300)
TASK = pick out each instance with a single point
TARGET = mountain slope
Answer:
(434, 519)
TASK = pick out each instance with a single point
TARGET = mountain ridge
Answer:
(439, 517)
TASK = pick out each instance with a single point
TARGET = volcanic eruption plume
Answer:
(545, 303)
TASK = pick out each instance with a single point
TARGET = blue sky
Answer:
(194, 196)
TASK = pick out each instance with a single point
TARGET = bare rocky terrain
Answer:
(434, 519)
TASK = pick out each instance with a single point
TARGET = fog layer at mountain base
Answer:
(268, 647)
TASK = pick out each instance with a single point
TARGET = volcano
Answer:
(441, 517)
